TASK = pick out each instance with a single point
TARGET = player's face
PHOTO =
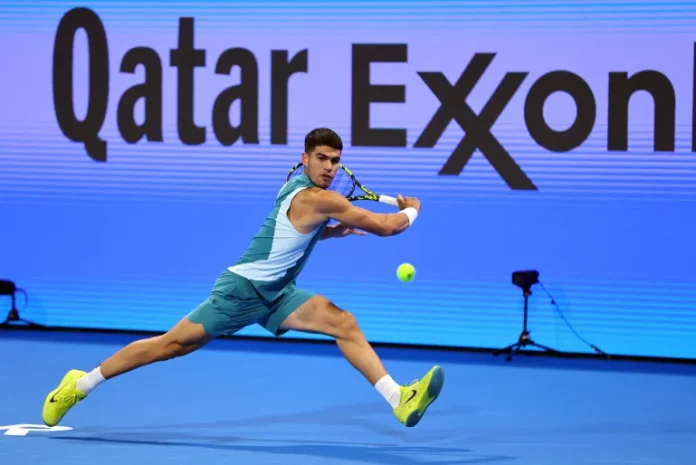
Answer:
(321, 165)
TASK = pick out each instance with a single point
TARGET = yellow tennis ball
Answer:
(405, 272)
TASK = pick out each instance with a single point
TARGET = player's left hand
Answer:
(340, 230)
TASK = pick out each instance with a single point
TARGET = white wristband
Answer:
(411, 213)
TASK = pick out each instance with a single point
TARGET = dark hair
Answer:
(322, 136)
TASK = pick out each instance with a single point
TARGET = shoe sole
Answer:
(434, 388)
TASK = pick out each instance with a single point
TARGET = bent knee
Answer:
(346, 325)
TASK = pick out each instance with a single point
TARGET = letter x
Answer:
(477, 128)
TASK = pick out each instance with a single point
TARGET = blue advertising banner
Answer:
(142, 144)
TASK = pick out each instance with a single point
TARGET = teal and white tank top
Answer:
(278, 252)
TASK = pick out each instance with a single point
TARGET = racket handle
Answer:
(389, 200)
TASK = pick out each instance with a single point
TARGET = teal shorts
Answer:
(234, 304)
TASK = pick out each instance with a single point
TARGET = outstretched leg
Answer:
(319, 315)
(184, 338)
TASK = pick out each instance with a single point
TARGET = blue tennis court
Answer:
(267, 402)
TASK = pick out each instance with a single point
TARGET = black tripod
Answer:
(9, 288)
(525, 280)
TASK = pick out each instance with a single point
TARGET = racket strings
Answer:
(342, 183)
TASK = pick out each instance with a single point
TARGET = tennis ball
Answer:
(405, 272)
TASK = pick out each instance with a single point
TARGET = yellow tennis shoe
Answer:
(63, 398)
(416, 398)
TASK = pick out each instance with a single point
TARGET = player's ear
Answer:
(305, 158)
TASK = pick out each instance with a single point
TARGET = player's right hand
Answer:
(405, 202)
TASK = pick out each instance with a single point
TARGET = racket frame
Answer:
(369, 194)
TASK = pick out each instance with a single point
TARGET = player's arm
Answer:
(333, 205)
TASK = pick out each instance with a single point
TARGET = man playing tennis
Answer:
(260, 288)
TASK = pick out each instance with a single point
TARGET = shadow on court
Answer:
(369, 453)
(299, 429)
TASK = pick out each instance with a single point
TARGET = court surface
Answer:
(262, 402)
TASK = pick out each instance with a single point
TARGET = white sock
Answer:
(389, 390)
(90, 380)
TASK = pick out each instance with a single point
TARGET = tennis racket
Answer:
(346, 184)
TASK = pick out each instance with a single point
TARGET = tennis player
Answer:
(260, 289)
